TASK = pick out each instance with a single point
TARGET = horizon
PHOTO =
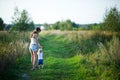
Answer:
(78, 11)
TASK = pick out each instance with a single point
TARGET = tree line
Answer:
(21, 21)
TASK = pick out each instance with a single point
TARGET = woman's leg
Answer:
(31, 53)
(31, 57)
(34, 59)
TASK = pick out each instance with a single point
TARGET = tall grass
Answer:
(68, 55)
(12, 46)
(87, 42)
(98, 53)
(110, 55)
(101, 50)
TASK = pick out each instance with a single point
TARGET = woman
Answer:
(34, 45)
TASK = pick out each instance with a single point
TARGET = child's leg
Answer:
(42, 66)
(38, 66)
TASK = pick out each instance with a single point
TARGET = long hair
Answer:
(36, 30)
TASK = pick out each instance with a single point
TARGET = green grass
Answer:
(67, 56)
(57, 64)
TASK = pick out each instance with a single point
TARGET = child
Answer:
(40, 57)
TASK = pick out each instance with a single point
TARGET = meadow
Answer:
(68, 55)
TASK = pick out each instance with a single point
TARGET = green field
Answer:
(68, 55)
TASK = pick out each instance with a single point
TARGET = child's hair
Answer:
(35, 31)
(40, 49)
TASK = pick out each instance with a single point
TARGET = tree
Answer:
(46, 26)
(2, 25)
(56, 25)
(62, 25)
(21, 21)
(69, 24)
(65, 25)
(112, 20)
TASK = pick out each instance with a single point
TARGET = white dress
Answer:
(33, 44)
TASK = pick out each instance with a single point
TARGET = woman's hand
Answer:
(40, 46)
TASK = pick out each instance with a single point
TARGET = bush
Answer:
(112, 20)
(12, 48)
(109, 55)
(111, 52)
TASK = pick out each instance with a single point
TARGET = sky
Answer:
(51, 11)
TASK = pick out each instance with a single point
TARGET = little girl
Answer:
(40, 57)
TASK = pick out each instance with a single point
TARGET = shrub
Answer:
(12, 48)
(112, 20)
(110, 56)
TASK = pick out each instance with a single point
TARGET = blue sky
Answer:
(50, 11)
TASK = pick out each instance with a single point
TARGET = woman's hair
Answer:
(36, 30)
